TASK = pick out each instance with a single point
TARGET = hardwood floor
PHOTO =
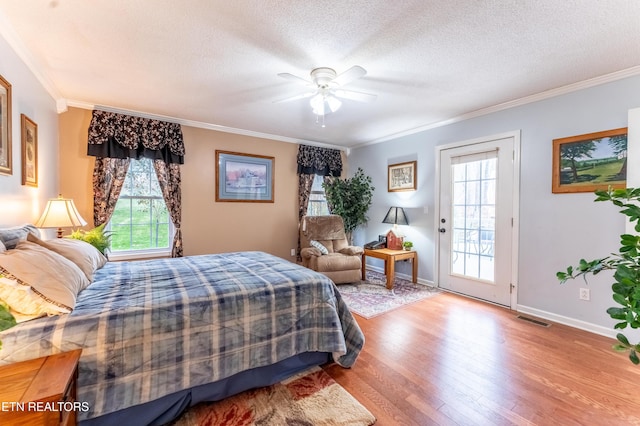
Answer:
(449, 360)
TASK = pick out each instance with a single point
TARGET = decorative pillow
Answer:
(51, 277)
(84, 255)
(10, 236)
(24, 304)
(319, 246)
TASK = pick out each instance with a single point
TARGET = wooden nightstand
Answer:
(40, 391)
(390, 257)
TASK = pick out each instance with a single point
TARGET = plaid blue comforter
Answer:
(151, 328)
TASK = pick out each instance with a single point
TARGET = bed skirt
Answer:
(169, 407)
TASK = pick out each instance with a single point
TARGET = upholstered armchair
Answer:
(324, 248)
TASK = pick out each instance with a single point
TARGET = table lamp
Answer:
(396, 216)
(60, 213)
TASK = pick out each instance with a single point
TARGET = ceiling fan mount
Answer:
(323, 76)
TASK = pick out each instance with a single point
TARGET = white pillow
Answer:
(51, 277)
(84, 255)
(24, 304)
(319, 246)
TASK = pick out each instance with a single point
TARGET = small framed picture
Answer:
(244, 177)
(589, 162)
(29, 151)
(402, 176)
(5, 127)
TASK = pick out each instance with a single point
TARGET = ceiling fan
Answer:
(325, 88)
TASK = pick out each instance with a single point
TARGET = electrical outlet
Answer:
(585, 294)
(293, 252)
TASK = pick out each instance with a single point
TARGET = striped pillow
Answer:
(319, 246)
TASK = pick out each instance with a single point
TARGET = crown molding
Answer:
(9, 34)
(202, 125)
(585, 84)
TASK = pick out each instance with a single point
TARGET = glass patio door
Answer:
(475, 222)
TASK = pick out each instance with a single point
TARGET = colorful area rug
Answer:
(308, 399)
(371, 298)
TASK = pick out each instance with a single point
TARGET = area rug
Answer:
(308, 399)
(371, 298)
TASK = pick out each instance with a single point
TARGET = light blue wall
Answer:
(23, 204)
(555, 229)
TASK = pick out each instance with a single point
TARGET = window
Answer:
(140, 223)
(317, 201)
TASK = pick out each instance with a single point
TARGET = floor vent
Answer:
(534, 321)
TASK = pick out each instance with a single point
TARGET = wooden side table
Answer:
(40, 391)
(390, 258)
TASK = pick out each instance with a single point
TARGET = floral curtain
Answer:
(116, 138)
(314, 160)
(113, 135)
(169, 179)
(305, 182)
(108, 177)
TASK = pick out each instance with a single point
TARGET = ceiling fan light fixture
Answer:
(334, 103)
(322, 103)
(317, 104)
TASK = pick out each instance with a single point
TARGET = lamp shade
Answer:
(396, 216)
(60, 213)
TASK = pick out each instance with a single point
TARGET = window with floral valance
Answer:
(114, 139)
(113, 135)
(315, 160)
(312, 161)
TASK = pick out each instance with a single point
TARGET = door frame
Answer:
(515, 208)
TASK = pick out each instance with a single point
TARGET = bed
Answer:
(160, 335)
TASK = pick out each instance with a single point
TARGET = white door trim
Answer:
(515, 210)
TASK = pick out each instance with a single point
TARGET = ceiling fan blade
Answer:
(295, 98)
(294, 78)
(354, 96)
(353, 73)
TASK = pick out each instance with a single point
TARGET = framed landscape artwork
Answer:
(244, 177)
(402, 176)
(5, 127)
(29, 151)
(590, 162)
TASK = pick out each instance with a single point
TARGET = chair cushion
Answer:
(338, 262)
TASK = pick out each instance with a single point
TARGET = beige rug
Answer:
(371, 298)
(311, 398)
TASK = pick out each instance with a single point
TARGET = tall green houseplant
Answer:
(625, 263)
(351, 199)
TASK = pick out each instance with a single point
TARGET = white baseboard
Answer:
(571, 322)
(400, 275)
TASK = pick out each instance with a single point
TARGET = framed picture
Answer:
(402, 176)
(586, 163)
(5, 127)
(244, 177)
(29, 151)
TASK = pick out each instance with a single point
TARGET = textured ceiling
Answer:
(215, 63)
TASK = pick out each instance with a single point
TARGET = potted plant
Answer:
(408, 245)
(97, 237)
(625, 263)
(351, 199)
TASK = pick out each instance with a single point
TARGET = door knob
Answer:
(442, 230)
